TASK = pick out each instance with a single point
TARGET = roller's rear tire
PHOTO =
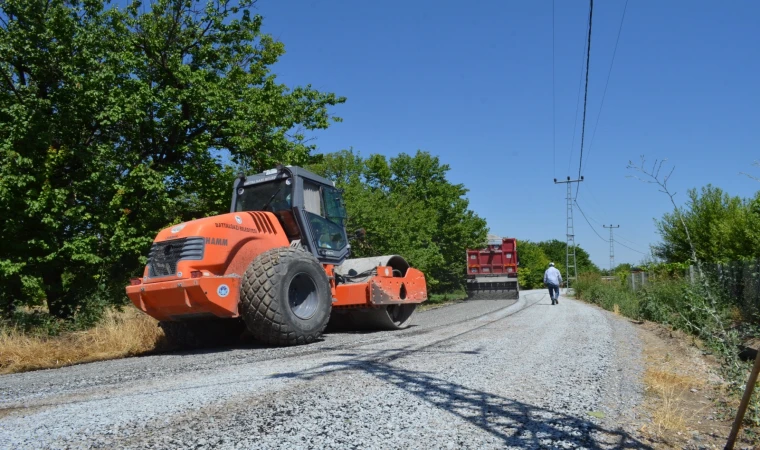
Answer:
(193, 334)
(285, 297)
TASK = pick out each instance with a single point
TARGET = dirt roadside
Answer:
(682, 385)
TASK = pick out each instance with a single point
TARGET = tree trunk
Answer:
(59, 304)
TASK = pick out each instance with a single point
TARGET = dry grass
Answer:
(616, 309)
(669, 388)
(120, 333)
(736, 315)
(668, 378)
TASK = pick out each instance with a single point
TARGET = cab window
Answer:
(326, 215)
(334, 209)
(271, 196)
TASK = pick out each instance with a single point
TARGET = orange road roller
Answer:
(277, 265)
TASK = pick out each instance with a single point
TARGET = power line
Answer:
(629, 248)
(577, 108)
(628, 240)
(594, 220)
(554, 100)
(619, 236)
(596, 202)
(600, 237)
(605, 240)
(614, 52)
(589, 223)
(585, 95)
(604, 213)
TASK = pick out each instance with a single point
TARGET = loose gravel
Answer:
(482, 374)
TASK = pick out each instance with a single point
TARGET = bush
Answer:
(37, 321)
(674, 302)
(607, 294)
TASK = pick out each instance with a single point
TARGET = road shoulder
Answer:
(681, 386)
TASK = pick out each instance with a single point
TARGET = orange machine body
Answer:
(209, 284)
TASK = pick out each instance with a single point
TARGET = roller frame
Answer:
(391, 288)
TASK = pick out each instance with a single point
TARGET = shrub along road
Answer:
(479, 374)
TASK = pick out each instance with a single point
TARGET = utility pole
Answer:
(570, 251)
(612, 246)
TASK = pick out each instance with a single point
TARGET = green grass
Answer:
(673, 302)
(591, 288)
(438, 299)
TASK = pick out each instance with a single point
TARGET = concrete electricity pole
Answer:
(612, 246)
(570, 251)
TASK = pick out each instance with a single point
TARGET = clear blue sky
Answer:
(472, 83)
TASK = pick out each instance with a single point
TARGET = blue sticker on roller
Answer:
(223, 290)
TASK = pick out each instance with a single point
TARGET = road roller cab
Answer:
(276, 264)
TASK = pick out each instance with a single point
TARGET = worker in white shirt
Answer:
(552, 280)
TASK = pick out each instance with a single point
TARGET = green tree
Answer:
(115, 123)
(536, 256)
(556, 251)
(408, 207)
(723, 228)
(533, 264)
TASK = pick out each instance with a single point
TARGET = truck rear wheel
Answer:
(202, 333)
(285, 297)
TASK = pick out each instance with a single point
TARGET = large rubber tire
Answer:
(285, 297)
(193, 334)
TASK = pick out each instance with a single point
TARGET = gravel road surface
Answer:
(478, 374)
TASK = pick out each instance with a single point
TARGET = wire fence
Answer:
(637, 280)
(739, 281)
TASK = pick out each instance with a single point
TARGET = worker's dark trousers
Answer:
(553, 291)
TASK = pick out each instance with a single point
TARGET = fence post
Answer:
(749, 387)
(747, 286)
(691, 273)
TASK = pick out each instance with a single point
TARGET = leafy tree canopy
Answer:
(112, 123)
(533, 264)
(555, 250)
(722, 227)
(407, 207)
(536, 256)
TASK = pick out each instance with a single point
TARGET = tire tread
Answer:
(259, 306)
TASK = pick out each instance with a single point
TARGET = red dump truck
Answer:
(492, 271)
